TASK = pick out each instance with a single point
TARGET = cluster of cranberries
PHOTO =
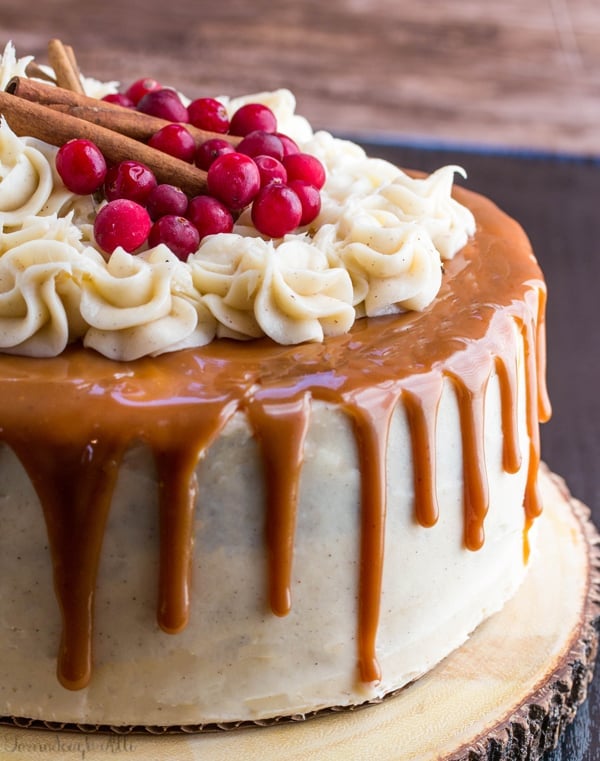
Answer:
(266, 170)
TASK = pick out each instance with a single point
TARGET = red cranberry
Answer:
(176, 232)
(120, 99)
(234, 179)
(276, 210)
(121, 223)
(261, 143)
(310, 198)
(166, 199)
(81, 166)
(210, 150)
(304, 166)
(136, 91)
(209, 216)
(175, 140)
(165, 104)
(131, 180)
(109, 182)
(270, 170)
(209, 114)
(289, 146)
(251, 117)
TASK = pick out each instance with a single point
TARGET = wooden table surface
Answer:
(524, 74)
(520, 80)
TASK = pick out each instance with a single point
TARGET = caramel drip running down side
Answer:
(538, 409)
(177, 490)
(178, 404)
(544, 406)
(470, 388)
(421, 408)
(371, 413)
(177, 487)
(75, 487)
(533, 503)
(507, 370)
(538, 406)
(281, 428)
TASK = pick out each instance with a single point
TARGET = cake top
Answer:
(375, 247)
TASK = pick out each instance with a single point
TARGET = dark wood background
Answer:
(524, 74)
(509, 90)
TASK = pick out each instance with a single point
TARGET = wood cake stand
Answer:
(506, 694)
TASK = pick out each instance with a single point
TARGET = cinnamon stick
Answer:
(33, 69)
(26, 118)
(62, 60)
(127, 121)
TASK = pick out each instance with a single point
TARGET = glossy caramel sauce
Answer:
(71, 418)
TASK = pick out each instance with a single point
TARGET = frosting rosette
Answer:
(29, 184)
(143, 305)
(39, 295)
(287, 292)
(428, 201)
(393, 264)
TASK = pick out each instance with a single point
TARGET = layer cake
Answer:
(205, 531)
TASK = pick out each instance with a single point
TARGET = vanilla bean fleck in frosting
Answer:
(376, 248)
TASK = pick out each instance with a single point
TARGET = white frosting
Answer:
(288, 292)
(376, 248)
(143, 304)
(29, 184)
(11, 66)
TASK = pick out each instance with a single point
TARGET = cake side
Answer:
(361, 585)
(235, 660)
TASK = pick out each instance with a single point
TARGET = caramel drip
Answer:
(177, 487)
(533, 503)
(539, 402)
(471, 403)
(506, 368)
(421, 406)
(544, 406)
(75, 486)
(177, 500)
(179, 403)
(421, 410)
(281, 429)
(372, 417)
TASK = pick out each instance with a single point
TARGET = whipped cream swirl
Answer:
(376, 248)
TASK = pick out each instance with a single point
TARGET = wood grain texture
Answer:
(510, 73)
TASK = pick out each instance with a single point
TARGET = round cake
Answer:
(201, 530)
